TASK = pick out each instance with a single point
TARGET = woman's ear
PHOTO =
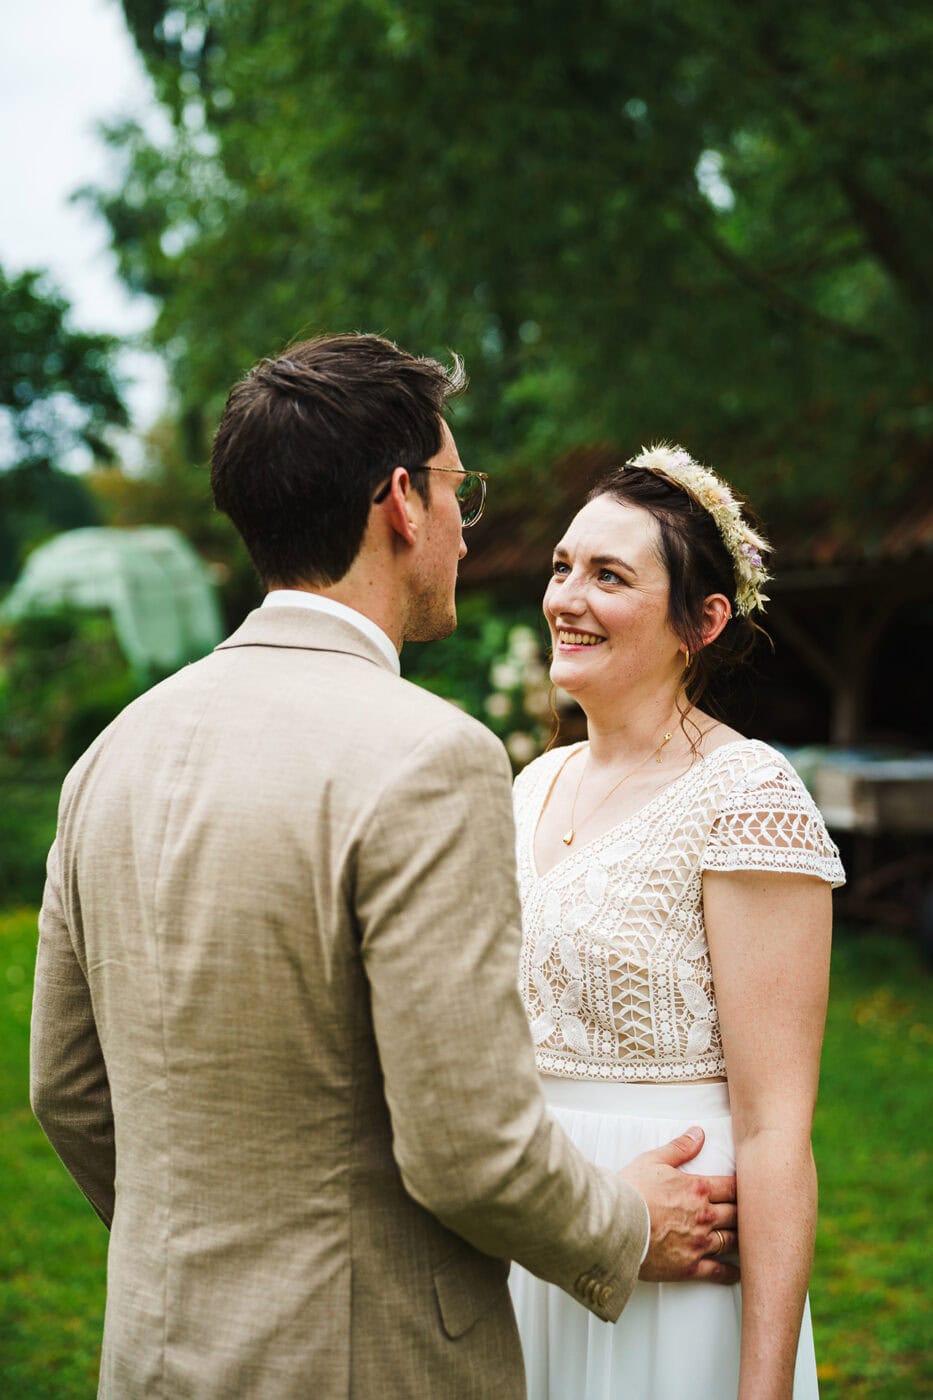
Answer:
(717, 611)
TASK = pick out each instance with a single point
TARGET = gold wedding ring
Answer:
(722, 1242)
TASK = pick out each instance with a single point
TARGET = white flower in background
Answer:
(521, 690)
(505, 675)
(536, 702)
(521, 747)
(535, 673)
(523, 644)
(498, 706)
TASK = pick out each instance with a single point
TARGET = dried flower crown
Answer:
(744, 545)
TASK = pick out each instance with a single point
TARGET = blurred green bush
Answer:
(28, 809)
(63, 678)
(493, 667)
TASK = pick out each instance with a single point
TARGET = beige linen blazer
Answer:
(278, 1043)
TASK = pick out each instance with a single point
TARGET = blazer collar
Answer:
(304, 629)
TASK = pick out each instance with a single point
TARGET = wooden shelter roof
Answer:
(510, 548)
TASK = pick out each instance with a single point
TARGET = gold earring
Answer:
(686, 658)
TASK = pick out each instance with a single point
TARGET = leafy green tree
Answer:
(58, 390)
(58, 387)
(36, 501)
(688, 219)
(171, 490)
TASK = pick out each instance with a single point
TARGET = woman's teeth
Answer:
(579, 639)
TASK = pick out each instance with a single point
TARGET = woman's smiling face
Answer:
(607, 603)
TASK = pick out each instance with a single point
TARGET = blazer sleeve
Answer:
(69, 1090)
(437, 904)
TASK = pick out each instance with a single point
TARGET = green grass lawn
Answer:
(872, 1140)
(872, 1254)
(53, 1249)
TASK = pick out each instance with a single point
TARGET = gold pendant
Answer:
(567, 838)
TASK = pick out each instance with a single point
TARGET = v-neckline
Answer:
(617, 826)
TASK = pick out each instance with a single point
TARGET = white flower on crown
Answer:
(744, 544)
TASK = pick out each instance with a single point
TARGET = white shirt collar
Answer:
(299, 598)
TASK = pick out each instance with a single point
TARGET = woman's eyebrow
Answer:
(600, 561)
(612, 561)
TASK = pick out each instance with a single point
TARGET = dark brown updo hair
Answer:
(697, 563)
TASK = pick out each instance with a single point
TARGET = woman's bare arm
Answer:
(769, 939)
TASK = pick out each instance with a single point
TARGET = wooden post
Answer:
(844, 671)
(859, 634)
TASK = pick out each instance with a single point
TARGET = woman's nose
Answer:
(571, 605)
(566, 597)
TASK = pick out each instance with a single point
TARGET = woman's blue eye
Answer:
(608, 574)
(560, 568)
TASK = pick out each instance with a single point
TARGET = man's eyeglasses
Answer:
(471, 493)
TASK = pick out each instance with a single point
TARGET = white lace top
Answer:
(615, 971)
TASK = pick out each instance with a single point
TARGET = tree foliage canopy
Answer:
(58, 389)
(57, 385)
(687, 219)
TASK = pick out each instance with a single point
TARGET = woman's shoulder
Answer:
(735, 764)
(726, 749)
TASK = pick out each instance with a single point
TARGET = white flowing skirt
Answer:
(674, 1341)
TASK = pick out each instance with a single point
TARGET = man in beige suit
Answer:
(276, 1036)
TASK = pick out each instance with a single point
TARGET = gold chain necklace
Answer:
(568, 836)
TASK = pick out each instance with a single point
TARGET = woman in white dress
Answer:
(676, 884)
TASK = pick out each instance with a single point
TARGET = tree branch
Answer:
(878, 223)
(884, 237)
(779, 297)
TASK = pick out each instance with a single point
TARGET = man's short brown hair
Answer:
(307, 438)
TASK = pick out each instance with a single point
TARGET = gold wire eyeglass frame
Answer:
(470, 510)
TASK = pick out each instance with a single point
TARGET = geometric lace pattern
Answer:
(615, 970)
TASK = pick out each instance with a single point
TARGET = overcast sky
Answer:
(65, 65)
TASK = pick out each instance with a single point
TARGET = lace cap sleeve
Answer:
(768, 821)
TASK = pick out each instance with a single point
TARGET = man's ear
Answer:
(717, 611)
(400, 508)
